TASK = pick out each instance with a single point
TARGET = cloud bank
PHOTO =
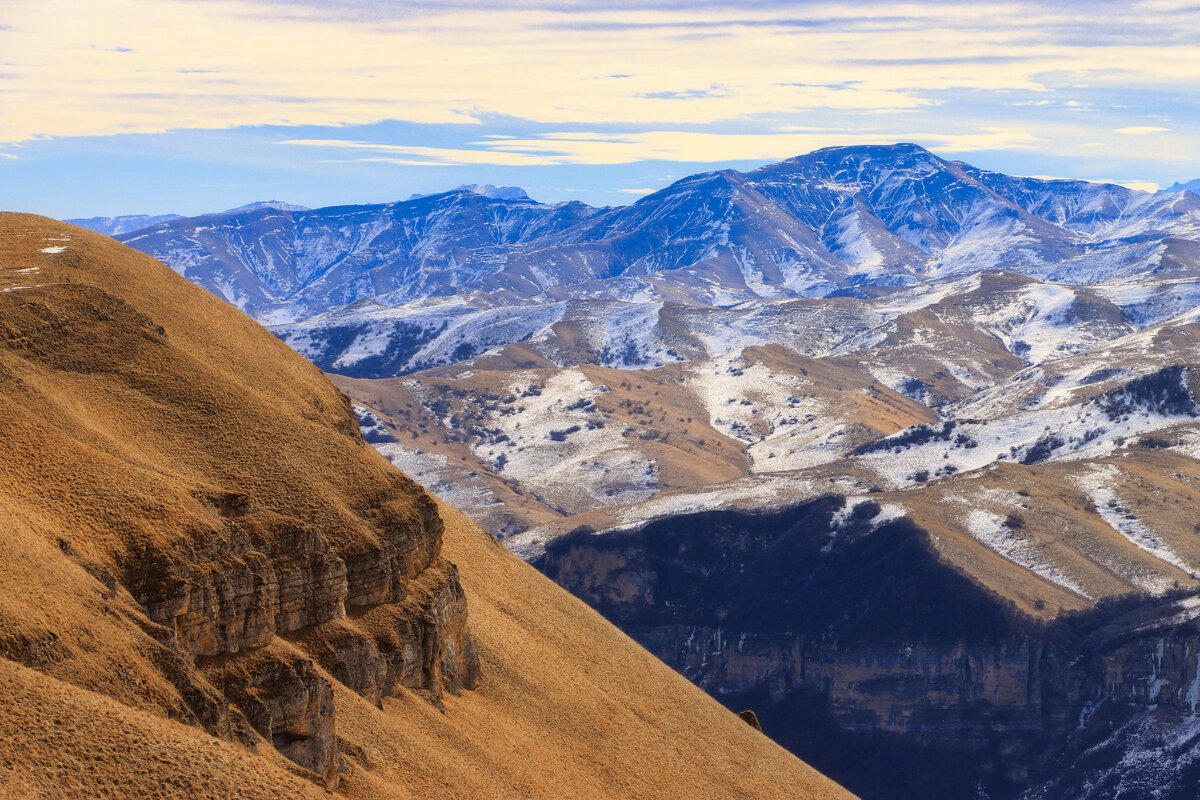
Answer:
(144, 66)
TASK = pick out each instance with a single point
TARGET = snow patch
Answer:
(991, 531)
(1096, 482)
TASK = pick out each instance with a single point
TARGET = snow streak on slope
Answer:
(549, 438)
(1097, 482)
(774, 413)
(997, 534)
(1088, 430)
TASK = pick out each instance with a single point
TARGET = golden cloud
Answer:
(145, 66)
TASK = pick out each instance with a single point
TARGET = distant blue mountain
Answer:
(277, 205)
(486, 190)
(1192, 186)
(805, 227)
(114, 226)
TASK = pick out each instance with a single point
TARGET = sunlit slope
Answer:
(195, 535)
(568, 708)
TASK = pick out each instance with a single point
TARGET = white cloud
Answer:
(585, 147)
(1141, 130)
(1141, 186)
(75, 69)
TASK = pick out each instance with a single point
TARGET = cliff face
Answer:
(232, 595)
(221, 543)
(872, 648)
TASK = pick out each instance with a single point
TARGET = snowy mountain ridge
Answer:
(838, 219)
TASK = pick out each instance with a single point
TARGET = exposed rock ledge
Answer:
(381, 620)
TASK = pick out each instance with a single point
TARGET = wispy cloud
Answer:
(157, 65)
(593, 148)
(1142, 130)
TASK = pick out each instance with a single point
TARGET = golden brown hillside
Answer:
(213, 587)
(517, 448)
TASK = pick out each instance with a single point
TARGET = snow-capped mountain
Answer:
(865, 372)
(485, 190)
(788, 319)
(115, 226)
(280, 265)
(806, 227)
(278, 205)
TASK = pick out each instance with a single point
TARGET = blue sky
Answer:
(149, 106)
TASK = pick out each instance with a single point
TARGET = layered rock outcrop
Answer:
(289, 705)
(269, 576)
(201, 505)
(379, 620)
(422, 643)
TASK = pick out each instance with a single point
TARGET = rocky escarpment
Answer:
(421, 644)
(378, 619)
(870, 649)
(286, 703)
(269, 575)
(196, 538)
(200, 506)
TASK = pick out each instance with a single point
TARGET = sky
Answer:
(191, 106)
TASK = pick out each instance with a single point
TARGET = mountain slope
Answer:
(569, 707)
(115, 226)
(519, 447)
(206, 565)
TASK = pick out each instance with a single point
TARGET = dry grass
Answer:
(569, 707)
(1063, 527)
(667, 422)
(131, 403)
(59, 741)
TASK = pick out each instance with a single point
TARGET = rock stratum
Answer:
(872, 642)
(214, 587)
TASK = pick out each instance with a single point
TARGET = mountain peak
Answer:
(278, 205)
(487, 190)
(1191, 186)
(871, 151)
(494, 192)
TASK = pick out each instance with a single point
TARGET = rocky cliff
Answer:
(872, 647)
(213, 587)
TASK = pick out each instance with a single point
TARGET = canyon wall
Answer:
(873, 650)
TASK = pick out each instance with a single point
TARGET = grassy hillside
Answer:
(164, 463)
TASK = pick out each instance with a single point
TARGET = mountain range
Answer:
(841, 219)
(114, 226)
(899, 451)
